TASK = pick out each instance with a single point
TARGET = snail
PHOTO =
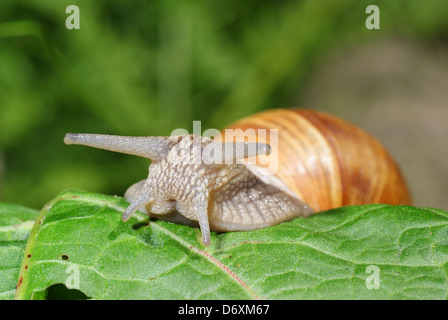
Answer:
(309, 162)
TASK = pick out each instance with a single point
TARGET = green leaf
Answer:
(80, 247)
(15, 226)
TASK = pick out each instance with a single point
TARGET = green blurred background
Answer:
(148, 67)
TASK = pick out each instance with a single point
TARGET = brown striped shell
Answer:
(325, 161)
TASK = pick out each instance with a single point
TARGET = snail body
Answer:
(322, 162)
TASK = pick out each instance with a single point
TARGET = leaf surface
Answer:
(80, 241)
(15, 226)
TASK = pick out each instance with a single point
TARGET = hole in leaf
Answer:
(64, 257)
(140, 225)
(59, 291)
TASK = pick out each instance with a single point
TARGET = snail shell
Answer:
(326, 161)
(320, 162)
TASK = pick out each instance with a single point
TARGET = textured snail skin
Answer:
(328, 162)
(323, 163)
(182, 187)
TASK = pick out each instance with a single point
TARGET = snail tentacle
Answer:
(154, 148)
(144, 198)
(199, 205)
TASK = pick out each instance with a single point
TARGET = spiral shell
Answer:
(325, 161)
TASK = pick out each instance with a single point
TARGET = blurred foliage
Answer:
(148, 67)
